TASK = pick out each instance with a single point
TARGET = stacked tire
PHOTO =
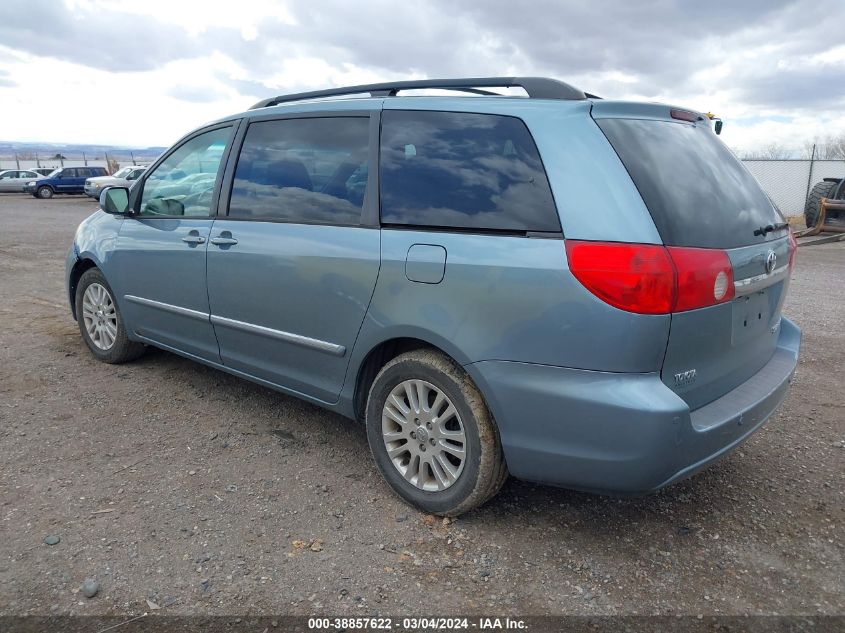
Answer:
(813, 207)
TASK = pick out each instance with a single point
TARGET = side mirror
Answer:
(115, 200)
(717, 126)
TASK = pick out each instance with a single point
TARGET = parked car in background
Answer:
(124, 177)
(490, 284)
(14, 180)
(63, 180)
(44, 171)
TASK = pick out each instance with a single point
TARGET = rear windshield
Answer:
(698, 192)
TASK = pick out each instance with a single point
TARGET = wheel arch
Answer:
(79, 268)
(381, 354)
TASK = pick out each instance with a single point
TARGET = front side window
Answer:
(465, 171)
(183, 184)
(310, 170)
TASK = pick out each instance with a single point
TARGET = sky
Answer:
(142, 73)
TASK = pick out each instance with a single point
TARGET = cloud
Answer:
(755, 58)
(5, 81)
(195, 94)
(98, 38)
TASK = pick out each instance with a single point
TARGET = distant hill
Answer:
(8, 149)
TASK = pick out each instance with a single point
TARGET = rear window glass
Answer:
(466, 171)
(699, 194)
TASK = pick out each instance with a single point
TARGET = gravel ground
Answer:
(173, 483)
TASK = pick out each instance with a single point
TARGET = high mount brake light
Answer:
(652, 279)
(684, 115)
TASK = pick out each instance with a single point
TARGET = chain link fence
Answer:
(788, 181)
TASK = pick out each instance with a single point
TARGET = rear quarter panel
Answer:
(506, 298)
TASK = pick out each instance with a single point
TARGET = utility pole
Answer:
(810, 171)
(17, 162)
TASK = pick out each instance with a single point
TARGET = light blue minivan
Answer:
(575, 291)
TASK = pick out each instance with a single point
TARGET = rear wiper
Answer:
(769, 228)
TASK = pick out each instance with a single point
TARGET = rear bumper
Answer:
(623, 433)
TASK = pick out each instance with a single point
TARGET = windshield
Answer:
(54, 173)
(122, 173)
(698, 193)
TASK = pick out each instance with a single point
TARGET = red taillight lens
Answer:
(633, 277)
(705, 277)
(793, 248)
(651, 279)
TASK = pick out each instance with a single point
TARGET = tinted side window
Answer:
(184, 183)
(303, 170)
(457, 170)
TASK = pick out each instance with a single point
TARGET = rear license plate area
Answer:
(751, 316)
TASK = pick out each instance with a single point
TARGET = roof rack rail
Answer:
(536, 87)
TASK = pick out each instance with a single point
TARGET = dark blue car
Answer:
(63, 180)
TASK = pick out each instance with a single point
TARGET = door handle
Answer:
(194, 239)
(223, 241)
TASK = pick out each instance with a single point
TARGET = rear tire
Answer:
(100, 321)
(814, 201)
(44, 192)
(439, 409)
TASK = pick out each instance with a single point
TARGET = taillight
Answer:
(633, 277)
(705, 277)
(652, 279)
(793, 248)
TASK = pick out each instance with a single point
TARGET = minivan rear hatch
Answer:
(701, 196)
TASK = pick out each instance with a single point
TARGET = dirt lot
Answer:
(202, 493)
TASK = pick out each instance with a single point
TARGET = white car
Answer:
(13, 180)
(124, 177)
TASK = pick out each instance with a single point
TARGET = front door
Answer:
(291, 268)
(159, 269)
(66, 180)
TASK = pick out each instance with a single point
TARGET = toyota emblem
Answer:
(771, 262)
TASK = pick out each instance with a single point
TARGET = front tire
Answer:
(100, 321)
(44, 192)
(432, 436)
